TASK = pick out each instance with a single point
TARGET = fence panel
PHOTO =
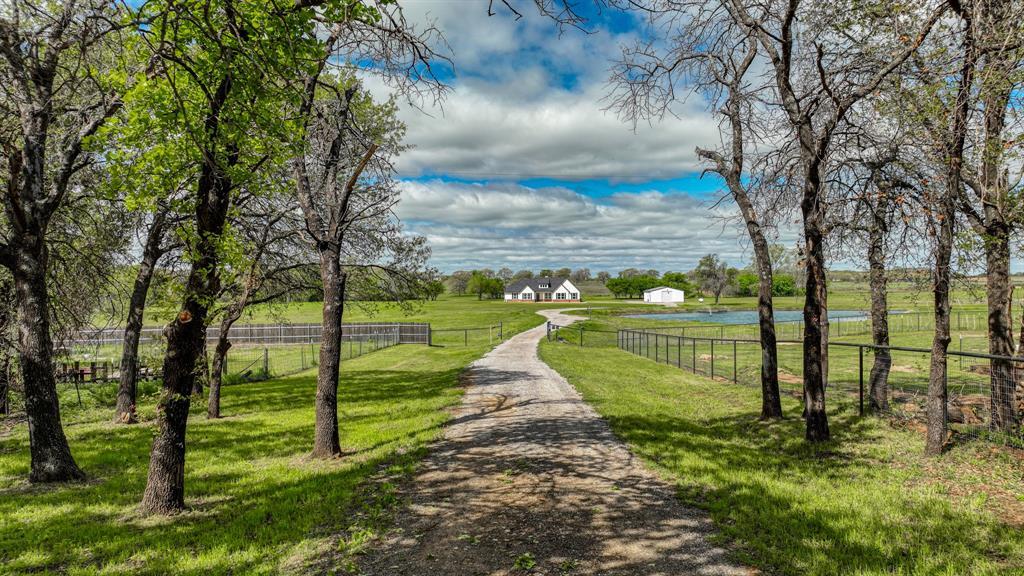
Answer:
(983, 391)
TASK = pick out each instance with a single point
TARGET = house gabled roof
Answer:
(534, 284)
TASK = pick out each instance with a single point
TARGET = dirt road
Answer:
(528, 476)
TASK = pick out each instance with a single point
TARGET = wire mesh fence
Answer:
(491, 334)
(860, 325)
(985, 393)
(406, 332)
(244, 361)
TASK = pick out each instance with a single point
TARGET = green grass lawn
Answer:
(257, 505)
(867, 502)
(446, 312)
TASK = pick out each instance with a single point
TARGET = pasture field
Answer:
(868, 502)
(257, 505)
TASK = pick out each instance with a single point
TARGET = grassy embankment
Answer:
(867, 502)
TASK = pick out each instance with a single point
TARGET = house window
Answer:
(544, 286)
(560, 296)
(527, 296)
(515, 296)
(574, 296)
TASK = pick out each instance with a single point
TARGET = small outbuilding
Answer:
(664, 295)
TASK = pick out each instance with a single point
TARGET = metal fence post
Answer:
(465, 337)
(679, 353)
(694, 355)
(860, 353)
(501, 331)
(266, 362)
(712, 358)
(581, 336)
(735, 378)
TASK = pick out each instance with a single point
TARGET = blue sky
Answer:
(521, 166)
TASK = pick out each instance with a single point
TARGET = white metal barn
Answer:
(664, 295)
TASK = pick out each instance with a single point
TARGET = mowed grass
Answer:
(258, 506)
(447, 312)
(868, 502)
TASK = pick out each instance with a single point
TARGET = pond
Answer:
(743, 316)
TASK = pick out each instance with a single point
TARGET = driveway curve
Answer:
(528, 477)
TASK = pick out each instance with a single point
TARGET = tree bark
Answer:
(220, 353)
(50, 453)
(878, 381)
(186, 341)
(5, 383)
(953, 154)
(937, 378)
(995, 91)
(815, 329)
(1000, 332)
(127, 389)
(326, 442)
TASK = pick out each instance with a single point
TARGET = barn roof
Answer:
(661, 288)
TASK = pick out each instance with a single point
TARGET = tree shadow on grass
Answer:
(254, 499)
(817, 509)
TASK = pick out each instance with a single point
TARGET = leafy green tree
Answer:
(432, 289)
(714, 275)
(783, 285)
(746, 284)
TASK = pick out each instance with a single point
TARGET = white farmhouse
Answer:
(664, 295)
(542, 290)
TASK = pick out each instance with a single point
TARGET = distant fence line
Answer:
(971, 383)
(899, 323)
(406, 333)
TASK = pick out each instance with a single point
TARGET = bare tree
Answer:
(950, 60)
(821, 70)
(993, 206)
(348, 143)
(707, 53)
(278, 263)
(55, 97)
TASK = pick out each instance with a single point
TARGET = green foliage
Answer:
(432, 289)
(783, 285)
(746, 284)
(631, 286)
(483, 285)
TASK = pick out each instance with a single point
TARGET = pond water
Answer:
(743, 316)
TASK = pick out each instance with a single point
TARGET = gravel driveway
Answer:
(529, 476)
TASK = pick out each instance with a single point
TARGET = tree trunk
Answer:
(220, 353)
(202, 369)
(186, 342)
(815, 317)
(996, 87)
(953, 188)
(325, 434)
(878, 381)
(127, 388)
(5, 384)
(771, 400)
(1000, 331)
(937, 378)
(51, 455)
